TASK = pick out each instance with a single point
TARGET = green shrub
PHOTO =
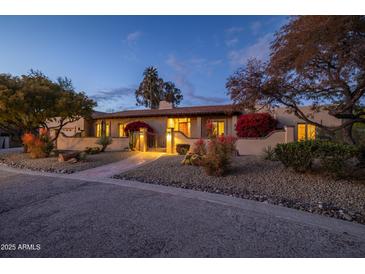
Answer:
(92, 150)
(333, 156)
(104, 141)
(182, 149)
(269, 153)
(361, 155)
(82, 156)
(298, 155)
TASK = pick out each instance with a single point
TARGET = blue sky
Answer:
(105, 55)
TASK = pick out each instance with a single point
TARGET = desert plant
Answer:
(269, 153)
(298, 155)
(38, 146)
(92, 150)
(200, 147)
(47, 142)
(182, 149)
(82, 156)
(333, 156)
(104, 141)
(219, 154)
(255, 125)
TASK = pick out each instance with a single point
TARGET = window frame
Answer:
(217, 122)
(119, 130)
(307, 129)
(184, 120)
(98, 130)
(107, 130)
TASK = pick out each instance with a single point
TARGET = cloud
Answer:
(260, 50)
(132, 37)
(231, 42)
(183, 69)
(113, 94)
(255, 27)
(233, 30)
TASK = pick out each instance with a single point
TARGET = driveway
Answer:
(78, 218)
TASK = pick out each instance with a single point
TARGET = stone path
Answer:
(107, 171)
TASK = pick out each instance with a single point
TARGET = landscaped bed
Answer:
(51, 164)
(267, 181)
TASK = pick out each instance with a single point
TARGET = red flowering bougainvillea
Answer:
(255, 125)
(136, 126)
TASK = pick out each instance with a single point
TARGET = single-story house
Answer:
(180, 125)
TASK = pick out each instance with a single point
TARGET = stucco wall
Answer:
(157, 123)
(70, 129)
(247, 146)
(180, 138)
(289, 119)
(256, 146)
(77, 143)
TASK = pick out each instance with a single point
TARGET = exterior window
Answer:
(121, 130)
(107, 130)
(306, 132)
(183, 125)
(311, 132)
(218, 128)
(98, 130)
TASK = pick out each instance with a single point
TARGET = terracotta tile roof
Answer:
(179, 111)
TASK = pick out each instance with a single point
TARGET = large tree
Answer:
(315, 60)
(31, 101)
(172, 94)
(153, 89)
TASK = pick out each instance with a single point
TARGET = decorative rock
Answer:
(347, 217)
(72, 161)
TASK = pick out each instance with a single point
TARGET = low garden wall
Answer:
(256, 146)
(180, 138)
(248, 146)
(80, 143)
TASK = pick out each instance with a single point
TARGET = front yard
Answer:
(254, 178)
(50, 164)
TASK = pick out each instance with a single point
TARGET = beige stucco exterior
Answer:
(245, 146)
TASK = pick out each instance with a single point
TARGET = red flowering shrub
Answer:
(255, 125)
(200, 147)
(38, 147)
(219, 154)
(136, 126)
(209, 127)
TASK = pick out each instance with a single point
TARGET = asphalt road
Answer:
(71, 218)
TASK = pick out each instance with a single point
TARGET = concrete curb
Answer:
(330, 224)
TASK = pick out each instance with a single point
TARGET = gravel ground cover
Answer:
(50, 164)
(262, 180)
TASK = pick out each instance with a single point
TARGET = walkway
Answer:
(107, 171)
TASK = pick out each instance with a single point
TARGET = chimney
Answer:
(165, 105)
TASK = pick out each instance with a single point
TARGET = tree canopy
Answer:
(314, 60)
(30, 101)
(153, 89)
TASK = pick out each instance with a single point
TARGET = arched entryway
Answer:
(143, 137)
